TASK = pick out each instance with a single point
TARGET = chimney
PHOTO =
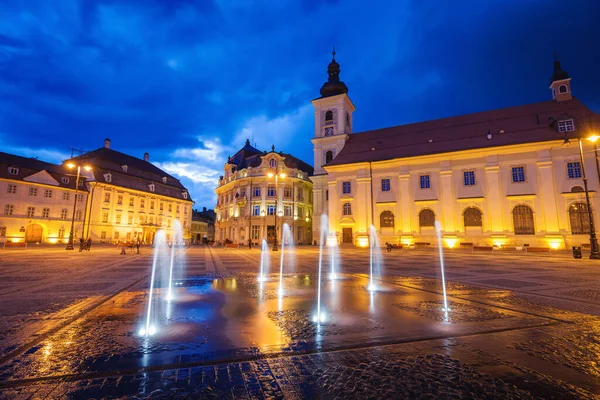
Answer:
(107, 143)
(146, 157)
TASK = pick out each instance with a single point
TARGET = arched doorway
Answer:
(33, 233)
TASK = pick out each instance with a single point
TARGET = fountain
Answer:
(332, 244)
(159, 242)
(438, 230)
(285, 236)
(177, 238)
(374, 257)
(264, 261)
(320, 317)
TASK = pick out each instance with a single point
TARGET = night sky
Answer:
(188, 81)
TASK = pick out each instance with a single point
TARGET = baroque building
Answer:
(203, 226)
(131, 198)
(37, 200)
(260, 192)
(505, 177)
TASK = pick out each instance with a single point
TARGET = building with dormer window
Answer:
(260, 192)
(505, 177)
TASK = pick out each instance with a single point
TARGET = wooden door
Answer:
(33, 233)
(347, 235)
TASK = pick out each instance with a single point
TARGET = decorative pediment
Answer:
(42, 177)
(346, 221)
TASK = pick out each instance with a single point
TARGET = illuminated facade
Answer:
(260, 192)
(131, 198)
(37, 200)
(505, 177)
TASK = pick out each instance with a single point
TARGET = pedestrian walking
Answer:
(137, 245)
(249, 244)
(122, 244)
(81, 244)
(88, 244)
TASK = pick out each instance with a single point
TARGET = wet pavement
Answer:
(519, 327)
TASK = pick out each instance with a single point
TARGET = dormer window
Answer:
(273, 163)
(566, 125)
(329, 117)
(108, 178)
(64, 180)
(124, 168)
(185, 195)
(563, 89)
(152, 187)
(164, 179)
(13, 170)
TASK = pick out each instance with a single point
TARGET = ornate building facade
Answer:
(131, 198)
(260, 192)
(37, 200)
(505, 177)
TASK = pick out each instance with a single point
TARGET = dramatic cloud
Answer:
(189, 81)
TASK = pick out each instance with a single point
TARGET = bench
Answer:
(483, 248)
(15, 244)
(530, 249)
(234, 245)
(422, 244)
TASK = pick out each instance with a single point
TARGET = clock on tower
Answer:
(329, 131)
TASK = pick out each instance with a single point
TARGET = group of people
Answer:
(85, 244)
(134, 244)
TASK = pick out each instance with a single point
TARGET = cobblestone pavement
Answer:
(521, 326)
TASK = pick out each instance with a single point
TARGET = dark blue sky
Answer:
(188, 81)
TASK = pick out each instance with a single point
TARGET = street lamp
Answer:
(594, 251)
(277, 176)
(71, 166)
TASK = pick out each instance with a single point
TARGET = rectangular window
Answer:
(107, 197)
(130, 219)
(118, 218)
(271, 209)
(287, 210)
(8, 209)
(385, 185)
(61, 232)
(566, 125)
(287, 192)
(12, 189)
(142, 219)
(64, 213)
(327, 195)
(300, 212)
(116, 236)
(48, 193)
(574, 170)
(300, 196)
(160, 221)
(13, 171)
(30, 212)
(255, 210)
(271, 191)
(425, 182)
(170, 207)
(119, 199)
(177, 208)
(346, 187)
(152, 204)
(45, 213)
(32, 191)
(142, 203)
(184, 210)
(80, 198)
(103, 235)
(131, 202)
(161, 206)
(518, 174)
(469, 178)
(256, 192)
(242, 212)
(2, 231)
(105, 217)
(66, 196)
(78, 215)
(255, 232)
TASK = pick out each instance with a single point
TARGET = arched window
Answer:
(347, 209)
(273, 163)
(563, 89)
(472, 217)
(523, 220)
(329, 116)
(576, 189)
(426, 218)
(386, 219)
(328, 157)
(580, 219)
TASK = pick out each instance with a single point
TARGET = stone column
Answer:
(548, 195)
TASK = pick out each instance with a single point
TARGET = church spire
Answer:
(333, 86)
(560, 82)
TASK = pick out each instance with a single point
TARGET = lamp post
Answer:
(71, 166)
(594, 252)
(277, 176)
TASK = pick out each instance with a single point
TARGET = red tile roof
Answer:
(520, 125)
